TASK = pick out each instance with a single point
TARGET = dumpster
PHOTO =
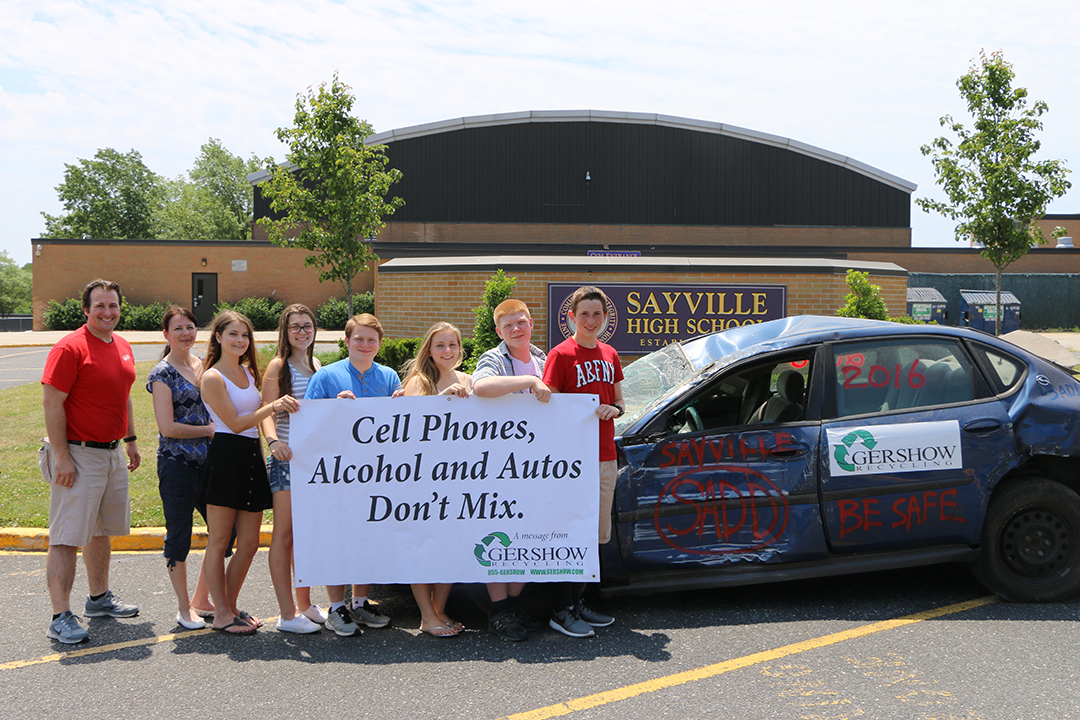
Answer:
(978, 309)
(927, 305)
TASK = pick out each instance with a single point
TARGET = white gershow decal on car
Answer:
(908, 447)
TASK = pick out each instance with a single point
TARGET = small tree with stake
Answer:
(996, 190)
(333, 199)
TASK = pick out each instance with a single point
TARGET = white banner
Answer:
(444, 489)
(902, 448)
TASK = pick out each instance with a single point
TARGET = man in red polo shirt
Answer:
(87, 401)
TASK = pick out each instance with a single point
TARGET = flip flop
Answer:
(251, 619)
(236, 622)
(450, 632)
(455, 625)
(204, 614)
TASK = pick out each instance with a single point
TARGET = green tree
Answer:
(224, 176)
(498, 288)
(996, 189)
(190, 212)
(332, 197)
(864, 300)
(16, 286)
(112, 196)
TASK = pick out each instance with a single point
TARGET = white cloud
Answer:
(868, 80)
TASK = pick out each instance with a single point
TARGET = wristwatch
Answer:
(621, 410)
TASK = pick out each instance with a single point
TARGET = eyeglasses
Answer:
(297, 329)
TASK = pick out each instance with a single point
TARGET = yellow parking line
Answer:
(28, 352)
(624, 693)
(143, 642)
(56, 657)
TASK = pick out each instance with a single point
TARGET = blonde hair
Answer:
(423, 367)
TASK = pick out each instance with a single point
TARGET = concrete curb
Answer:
(140, 539)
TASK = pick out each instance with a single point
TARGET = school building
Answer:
(688, 223)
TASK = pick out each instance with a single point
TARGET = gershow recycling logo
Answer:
(901, 448)
(482, 546)
(545, 555)
(840, 453)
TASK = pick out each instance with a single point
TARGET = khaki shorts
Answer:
(609, 470)
(96, 503)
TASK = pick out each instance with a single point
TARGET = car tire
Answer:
(1031, 542)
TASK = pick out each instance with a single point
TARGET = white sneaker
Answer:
(315, 614)
(298, 624)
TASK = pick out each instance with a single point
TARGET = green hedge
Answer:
(334, 313)
(395, 352)
(263, 313)
(68, 315)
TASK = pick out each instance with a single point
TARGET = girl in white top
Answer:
(434, 372)
(234, 480)
(288, 374)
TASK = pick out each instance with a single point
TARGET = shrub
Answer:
(143, 317)
(395, 352)
(67, 315)
(864, 300)
(334, 313)
(263, 313)
(498, 288)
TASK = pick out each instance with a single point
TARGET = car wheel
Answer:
(1031, 542)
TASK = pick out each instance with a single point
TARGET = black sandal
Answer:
(236, 622)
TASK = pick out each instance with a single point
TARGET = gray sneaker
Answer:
(341, 623)
(593, 617)
(569, 623)
(67, 629)
(369, 615)
(108, 605)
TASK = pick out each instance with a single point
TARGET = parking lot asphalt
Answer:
(913, 645)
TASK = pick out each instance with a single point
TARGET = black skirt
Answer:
(234, 475)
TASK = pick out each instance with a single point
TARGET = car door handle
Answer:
(986, 426)
(790, 451)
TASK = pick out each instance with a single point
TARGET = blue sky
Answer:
(866, 80)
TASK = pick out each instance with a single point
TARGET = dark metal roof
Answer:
(924, 295)
(593, 167)
(988, 297)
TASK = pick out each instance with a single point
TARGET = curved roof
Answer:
(631, 118)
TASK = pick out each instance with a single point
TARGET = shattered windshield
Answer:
(650, 379)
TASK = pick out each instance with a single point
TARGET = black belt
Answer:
(96, 445)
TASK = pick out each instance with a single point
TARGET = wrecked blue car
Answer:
(816, 446)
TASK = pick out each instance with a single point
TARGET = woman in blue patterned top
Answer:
(185, 431)
(288, 374)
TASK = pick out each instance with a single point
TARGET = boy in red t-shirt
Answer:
(583, 364)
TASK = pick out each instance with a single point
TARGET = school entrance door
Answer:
(203, 297)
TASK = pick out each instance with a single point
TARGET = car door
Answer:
(913, 437)
(726, 474)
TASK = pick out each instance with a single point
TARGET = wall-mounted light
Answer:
(38, 252)
(587, 178)
(204, 262)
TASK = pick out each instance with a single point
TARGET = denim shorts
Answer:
(278, 474)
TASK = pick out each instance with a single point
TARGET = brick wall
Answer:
(408, 303)
(160, 271)
(451, 233)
